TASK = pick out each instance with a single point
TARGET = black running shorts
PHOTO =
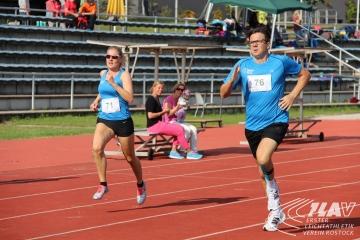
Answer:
(121, 128)
(275, 131)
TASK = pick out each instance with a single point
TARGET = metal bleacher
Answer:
(54, 67)
(98, 21)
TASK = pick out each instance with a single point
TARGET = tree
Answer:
(350, 11)
(188, 14)
(217, 13)
(165, 11)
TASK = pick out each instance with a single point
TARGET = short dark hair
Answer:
(260, 29)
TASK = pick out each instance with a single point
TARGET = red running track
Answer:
(46, 187)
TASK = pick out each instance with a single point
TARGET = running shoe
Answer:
(141, 194)
(100, 192)
(175, 155)
(194, 155)
(275, 218)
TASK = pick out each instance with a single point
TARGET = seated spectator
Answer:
(155, 124)
(317, 29)
(219, 28)
(88, 10)
(296, 18)
(278, 40)
(231, 26)
(71, 11)
(342, 35)
(115, 9)
(350, 31)
(201, 27)
(53, 8)
(177, 115)
(357, 34)
(252, 19)
(24, 7)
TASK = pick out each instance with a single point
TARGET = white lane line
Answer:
(181, 175)
(203, 160)
(174, 192)
(187, 211)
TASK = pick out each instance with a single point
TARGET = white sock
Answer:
(271, 187)
(271, 184)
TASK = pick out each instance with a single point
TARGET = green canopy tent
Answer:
(270, 6)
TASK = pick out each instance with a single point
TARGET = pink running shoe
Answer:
(100, 192)
(141, 194)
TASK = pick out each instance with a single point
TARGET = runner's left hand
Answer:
(286, 102)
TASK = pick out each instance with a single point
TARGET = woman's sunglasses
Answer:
(112, 57)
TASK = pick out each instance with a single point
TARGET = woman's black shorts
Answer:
(275, 131)
(121, 128)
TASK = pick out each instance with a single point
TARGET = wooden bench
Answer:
(147, 144)
(204, 122)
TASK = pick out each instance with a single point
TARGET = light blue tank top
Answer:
(112, 105)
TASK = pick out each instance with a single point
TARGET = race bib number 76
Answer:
(259, 83)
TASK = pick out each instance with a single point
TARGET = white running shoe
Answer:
(100, 192)
(274, 219)
(141, 194)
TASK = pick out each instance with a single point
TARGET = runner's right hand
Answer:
(94, 106)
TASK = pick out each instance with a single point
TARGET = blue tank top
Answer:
(112, 105)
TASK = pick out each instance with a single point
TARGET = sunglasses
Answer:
(180, 89)
(112, 57)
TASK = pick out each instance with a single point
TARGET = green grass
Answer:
(64, 125)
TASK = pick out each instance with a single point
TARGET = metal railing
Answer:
(319, 16)
(144, 82)
(340, 49)
(72, 78)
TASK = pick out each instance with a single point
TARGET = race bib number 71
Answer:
(110, 105)
(259, 83)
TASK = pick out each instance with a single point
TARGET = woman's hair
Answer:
(155, 83)
(178, 85)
